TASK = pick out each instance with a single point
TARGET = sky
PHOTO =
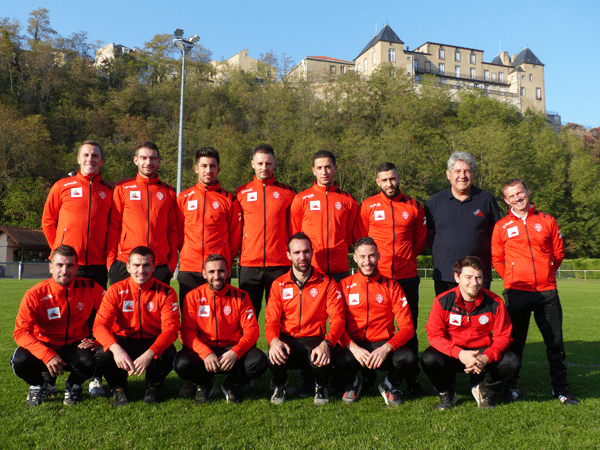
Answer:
(560, 34)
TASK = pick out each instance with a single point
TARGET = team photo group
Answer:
(108, 310)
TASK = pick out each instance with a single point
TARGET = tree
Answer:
(39, 26)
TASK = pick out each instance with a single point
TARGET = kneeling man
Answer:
(469, 331)
(370, 340)
(218, 333)
(137, 324)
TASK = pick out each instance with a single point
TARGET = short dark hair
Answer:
(324, 154)
(216, 257)
(264, 148)
(149, 145)
(142, 251)
(300, 236)
(95, 144)
(513, 182)
(468, 261)
(367, 240)
(64, 250)
(207, 152)
(386, 167)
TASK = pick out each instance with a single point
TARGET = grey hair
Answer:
(461, 156)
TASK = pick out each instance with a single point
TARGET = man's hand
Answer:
(471, 360)
(122, 358)
(321, 355)
(227, 361)
(90, 343)
(279, 352)
(56, 366)
(360, 354)
(379, 355)
(142, 363)
(211, 362)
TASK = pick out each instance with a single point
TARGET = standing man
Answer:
(469, 331)
(370, 341)
(76, 213)
(52, 329)
(327, 215)
(527, 250)
(136, 325)
(209, 221)
(300, 304)
(266, 226)
(461, 220)
(397, 224)
(219, 333)
(143, 213)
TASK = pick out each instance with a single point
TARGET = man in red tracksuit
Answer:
(398, 225)
(52, 329)
(143, 213)
(300, 304)
(469, 331)
(370, 341)
(208, 221)
(136, 325)
(76, 213)
(527, 249)
(266, 227)
(219, 333)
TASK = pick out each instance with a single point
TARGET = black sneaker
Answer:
(72, 394)
(278, 396)
(120, 398)
(308, 387)
(566, 398)
(188, 389)
(203, 393)
(321, 395)
(151, 396)
(483, 400)
(36, 394)
(512, 395)
(391, 394)
(447, 401)
(231, 393)
(414, 389)
(351, 392)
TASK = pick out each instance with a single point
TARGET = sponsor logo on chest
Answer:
(288, 293)
(53, 313)
(215, 205)
(538, 227)
(314, 292)
(204, 311)
(379, 215)
(483, 320)
(135, 195)
(512, 231)
(315, 205)
(379, 298)
(128, 306)
(405, 215)
(79, 306)
(275, 195)
(455, 319)
(252, 196)
(338, 205)
(227, 310)
(353, 299)
(102, 195)
(192, 205)
(160, 195)
(76, 192)
(150, 306)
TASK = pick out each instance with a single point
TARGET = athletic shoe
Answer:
(231, 393)
(189, 389)
(50, 384)
(151, 396)
(203, 393)
(512, 395)
(72, 394)
(391, 394)
(447, 400)
(483, 400)
(414, 389)
(36, 394)
(278, 396)
(352, 392)
(95, 388)
(246, 387)
(321, 395)
(120, 397)
(566, 398)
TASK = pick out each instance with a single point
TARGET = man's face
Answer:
(147, 162)
(367, 258)
(63, 269)
(207, 170)
(89, 160)
(460, 177)
(324, 171)
(300, 254)
(470, 281)
(263, 165)
(389, 183)
(517, 197)
(216, 274)
(140, 268)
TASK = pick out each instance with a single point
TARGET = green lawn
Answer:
(539, 421)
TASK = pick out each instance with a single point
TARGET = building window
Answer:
(522, 91)
(538, 93)
(365, 64)
(331, 69)
(374, 58)
(343, 69)
(392, 55)
(530, 77)
(486, 74)
(442, 68)
(457, 56)
(442, 54)
(472, 72)
(457, 71)
(493, 76)
(522, 77)
(416, 64)
(473, 58)
(392, 72)
(358, 68)
(500, 77)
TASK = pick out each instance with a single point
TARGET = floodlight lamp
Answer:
(178, 33)
(178, 43)
(195, 38)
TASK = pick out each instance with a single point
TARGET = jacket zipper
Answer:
(203, 216)
(367, 324)
(87, 244)
(216, 319)
(140, 310)
(531, 253)
(393, 236)
(327, 209)
(300, 314)
(68, 317)
(265, 222)
(148, 197)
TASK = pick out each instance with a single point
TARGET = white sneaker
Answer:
(95, 388)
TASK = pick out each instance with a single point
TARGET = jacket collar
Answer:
(144, 180)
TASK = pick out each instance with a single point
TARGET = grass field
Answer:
(538, 421)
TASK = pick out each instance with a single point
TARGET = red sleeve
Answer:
(105, 318)
(437, 331)
(114, 227)
(169, 323)
(179, 204)
(558, 247)
(235, 229)
(345, 340)
(273, 314)
(335, 312)
(498, 259)
(351, 224)
(50, 214)
(296, 213)
(189, 326)
(172, 236)
(502, 329)
(24, 334)
(403, 318)
(420, 232)
(249, 326)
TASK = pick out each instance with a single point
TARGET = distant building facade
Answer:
(108, 52)
(244, 62)
(319, 68)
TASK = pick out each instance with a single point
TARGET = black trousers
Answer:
(398, 363)
(258, 280)
(156, 372)
(547, 313)
(410, 286)
(98, 273)
(118, 272)
(190, 366)
(442, 369)
(80, 362)
(339, 276)
(299, 358)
